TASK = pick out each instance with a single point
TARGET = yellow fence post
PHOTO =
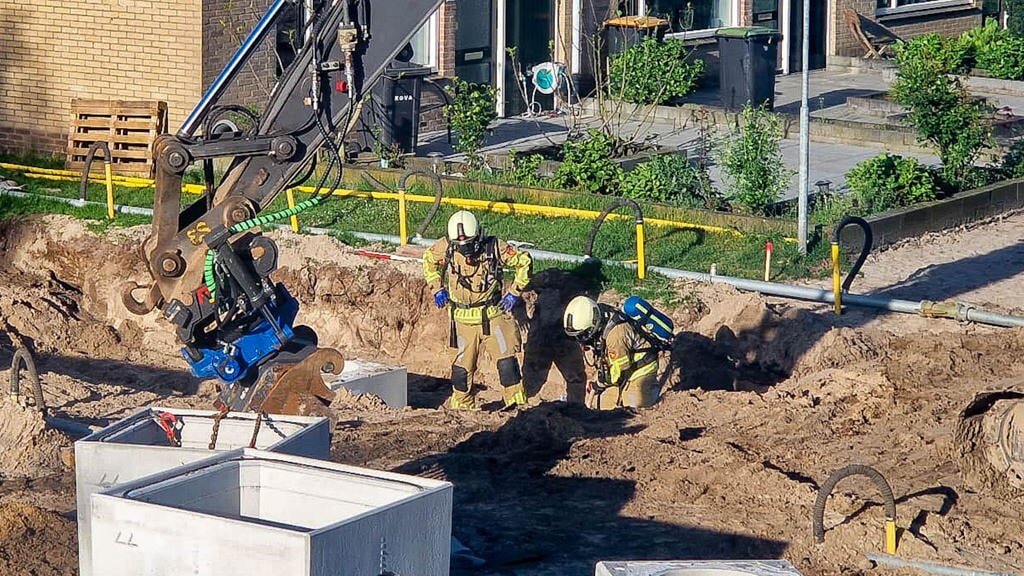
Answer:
(110, 188)
(641, 257)
(291, 204)
(402, 231)
(836, 285)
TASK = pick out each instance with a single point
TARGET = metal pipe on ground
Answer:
(930, 567)
(953, 310)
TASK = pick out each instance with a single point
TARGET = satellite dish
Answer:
(547, 77)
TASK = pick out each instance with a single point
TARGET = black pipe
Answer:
(588, 249)
(865, 249)
(438, 193)
(826, 490)
(22, 358)
(88, 166)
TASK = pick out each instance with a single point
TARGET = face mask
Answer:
(468, 249)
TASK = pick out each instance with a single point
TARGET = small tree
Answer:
(471, 112)
(653, 72)
(942, 112)
(751, 160)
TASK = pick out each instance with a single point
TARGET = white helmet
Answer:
(464, 232)
(582, 318)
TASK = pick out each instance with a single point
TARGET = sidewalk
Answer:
(827, 161)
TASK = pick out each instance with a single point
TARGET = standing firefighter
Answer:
(624, 354)
(466, 272)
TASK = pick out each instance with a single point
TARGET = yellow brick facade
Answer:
(52, 51)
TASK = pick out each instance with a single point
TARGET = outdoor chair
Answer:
(875, 38)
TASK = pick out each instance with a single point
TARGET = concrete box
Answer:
(698, 568)
(262, 513)
(389, 383)
(137, 446)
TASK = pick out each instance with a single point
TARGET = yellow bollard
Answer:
(641, 261)
(402, 231)
(290, 194)
(110, 189)
(836, 283)
(890, 536)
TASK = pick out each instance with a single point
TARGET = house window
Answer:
(424, 43)
(692, 15)
(886, 6)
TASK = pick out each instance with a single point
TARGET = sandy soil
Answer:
(764, 399)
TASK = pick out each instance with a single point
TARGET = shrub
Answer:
(654, 72)
(977, 40)
(942, 111)
(752, 163)
(587, 164)
(889, 181)
(470, 113)
(1013, 162)
(947, 55)
(1003, 58)
(523, 170)
(668, 178)
(830, 210)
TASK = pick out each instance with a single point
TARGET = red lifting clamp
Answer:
(170, 423)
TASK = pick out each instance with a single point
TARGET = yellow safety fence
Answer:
(495, 206)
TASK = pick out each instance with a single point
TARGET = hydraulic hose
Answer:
(883, 487)
(438, 194)
(23, 359)
(865, 249)
(88, 166)
(641, 265)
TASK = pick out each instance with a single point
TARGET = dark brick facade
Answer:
(907, 26)
(226, 23)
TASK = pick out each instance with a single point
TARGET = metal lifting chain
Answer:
(256, 429)
(216, 427)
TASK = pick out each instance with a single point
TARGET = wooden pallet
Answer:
(128, 128)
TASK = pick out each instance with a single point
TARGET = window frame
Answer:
(431, 28)
(734, 17)
(926, 6)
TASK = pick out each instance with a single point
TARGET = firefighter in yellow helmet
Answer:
(466, 273)
(625, 361)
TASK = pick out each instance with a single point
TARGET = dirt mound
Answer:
(763, 399)
(27, 446)
(36, 542)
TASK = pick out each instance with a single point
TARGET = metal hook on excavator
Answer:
(137, 307)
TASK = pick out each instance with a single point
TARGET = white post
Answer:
(805, 126)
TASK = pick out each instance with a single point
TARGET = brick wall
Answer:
(226, 23)
(446, 38)
(52, 51)
(947, 23)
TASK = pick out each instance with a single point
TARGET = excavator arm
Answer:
(210, 265)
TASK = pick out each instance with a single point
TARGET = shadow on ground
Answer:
(517, 507)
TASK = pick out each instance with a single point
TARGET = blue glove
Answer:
(509, 302)
(441, 297)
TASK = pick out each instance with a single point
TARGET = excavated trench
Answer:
(763, 399)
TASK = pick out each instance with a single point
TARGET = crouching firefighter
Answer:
(466, 273)
(623, 350)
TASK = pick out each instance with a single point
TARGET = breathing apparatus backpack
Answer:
(653, 325)
(649, 323)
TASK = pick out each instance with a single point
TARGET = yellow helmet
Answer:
(582, 318)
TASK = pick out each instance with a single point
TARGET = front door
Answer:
(819, 31)
(529, 25)
(474, 45)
